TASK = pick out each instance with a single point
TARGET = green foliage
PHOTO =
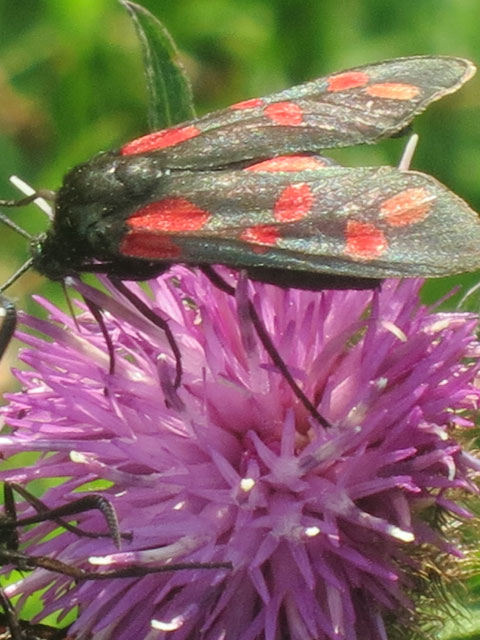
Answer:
(169, 89)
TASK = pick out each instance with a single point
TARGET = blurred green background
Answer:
(71, 84)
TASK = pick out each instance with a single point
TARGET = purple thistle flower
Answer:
(322, 526)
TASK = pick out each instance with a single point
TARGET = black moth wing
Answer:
(356, 106)
(364, 222)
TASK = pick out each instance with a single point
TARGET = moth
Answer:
(246, 187)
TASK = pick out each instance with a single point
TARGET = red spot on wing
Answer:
(364, 241)
(159, 140)
(393, 90)
(408, 207)
(284, 113)
(262, 234)
(142, 244)
(248, 104)
(294, 203)
(288, 163)
(170, 215)
(348, 80)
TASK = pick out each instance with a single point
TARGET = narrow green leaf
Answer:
(169, 91)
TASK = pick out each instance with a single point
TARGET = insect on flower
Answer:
(9, 542)
(10, 555)
(245, 187)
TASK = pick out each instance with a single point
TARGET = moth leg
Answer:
(268, 345)
(97, 314)
(46, 194)
(157, 321)
(11, 618)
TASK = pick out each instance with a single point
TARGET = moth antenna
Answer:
(19, 272)
(81, 505)
(406, 159)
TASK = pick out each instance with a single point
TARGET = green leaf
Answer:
(169, 91)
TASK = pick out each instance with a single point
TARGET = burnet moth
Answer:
(245, 187)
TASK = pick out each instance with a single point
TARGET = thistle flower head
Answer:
(322, 526)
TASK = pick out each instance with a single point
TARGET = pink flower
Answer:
(322, 526)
